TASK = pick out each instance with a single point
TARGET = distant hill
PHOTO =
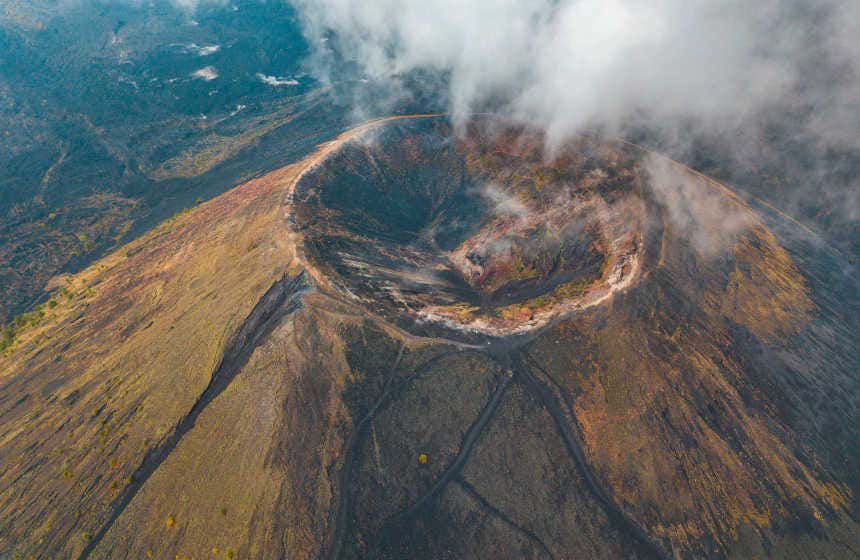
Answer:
(105, 130)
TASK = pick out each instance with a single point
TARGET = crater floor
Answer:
(481, 232)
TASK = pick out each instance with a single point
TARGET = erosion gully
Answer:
(281, 299)
(518, 367)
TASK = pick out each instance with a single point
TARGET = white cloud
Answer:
(697, 210)
(503, 203)
(203, 50)
(276, 81)
(566, 64)
(207, 73)
(192, 5)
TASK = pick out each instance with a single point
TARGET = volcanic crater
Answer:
(484, 231)
(707, 409)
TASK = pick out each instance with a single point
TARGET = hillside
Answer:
(412, 344)
(106, 130)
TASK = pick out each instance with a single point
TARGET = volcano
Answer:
(437, 340)
(480, 234)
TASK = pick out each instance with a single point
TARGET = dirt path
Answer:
(392, 388)
(472, 436)
(550, 402)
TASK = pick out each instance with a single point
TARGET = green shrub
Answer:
(7, 337)
(19, 323)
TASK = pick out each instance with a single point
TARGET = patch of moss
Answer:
(19, 324)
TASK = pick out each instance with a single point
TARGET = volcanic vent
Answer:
(481, 231)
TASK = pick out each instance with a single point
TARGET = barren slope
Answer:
(291, 370)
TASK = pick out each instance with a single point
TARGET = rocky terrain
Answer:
(413, 344)
(106, 129)
(480, 234)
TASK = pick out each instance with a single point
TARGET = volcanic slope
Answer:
(421, 345)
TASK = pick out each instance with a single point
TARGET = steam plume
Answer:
(731, 68)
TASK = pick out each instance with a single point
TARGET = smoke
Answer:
(697, 211)
(503, 203)
(737, 70)
(192, 5)
(566, 64)
(186, 5)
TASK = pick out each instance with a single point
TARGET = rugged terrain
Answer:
(414, 344)
(107, 130)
